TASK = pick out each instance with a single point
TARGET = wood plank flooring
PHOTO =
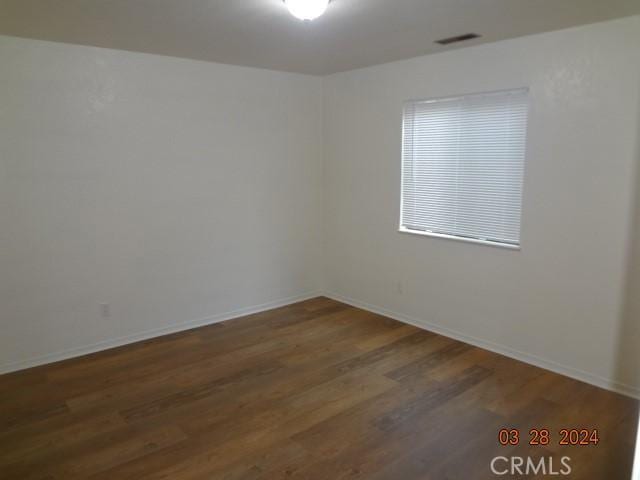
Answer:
(315, 390)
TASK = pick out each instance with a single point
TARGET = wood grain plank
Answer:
(314, 390)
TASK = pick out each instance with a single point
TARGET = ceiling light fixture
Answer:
(306, 9)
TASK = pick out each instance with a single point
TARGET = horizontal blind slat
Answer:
(463, 165)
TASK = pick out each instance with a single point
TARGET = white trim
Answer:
(636, 462)
(571, 372)
(451, 98)
(577, 374)
(153, 333)
(488, 243)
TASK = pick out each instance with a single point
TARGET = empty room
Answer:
(319, 239)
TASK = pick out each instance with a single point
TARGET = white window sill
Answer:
(460, 239)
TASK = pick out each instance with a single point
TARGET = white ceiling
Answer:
(261, 33)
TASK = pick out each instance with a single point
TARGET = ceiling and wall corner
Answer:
(261, 33)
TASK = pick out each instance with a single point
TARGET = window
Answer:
(463, 166)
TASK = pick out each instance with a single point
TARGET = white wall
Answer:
(174, 190)
(180, 191)
(558, 302)
(629, 336)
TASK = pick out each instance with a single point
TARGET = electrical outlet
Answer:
(399, 287)
(105, 310)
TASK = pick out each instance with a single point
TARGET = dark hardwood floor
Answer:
(316, 390)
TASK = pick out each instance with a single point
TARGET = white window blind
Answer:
(463, 165)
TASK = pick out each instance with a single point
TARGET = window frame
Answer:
(462, 238)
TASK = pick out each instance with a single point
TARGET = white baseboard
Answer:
(153, 333)
(574, 373)
(577, 374)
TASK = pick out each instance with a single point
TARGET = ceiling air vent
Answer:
(459, 38)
